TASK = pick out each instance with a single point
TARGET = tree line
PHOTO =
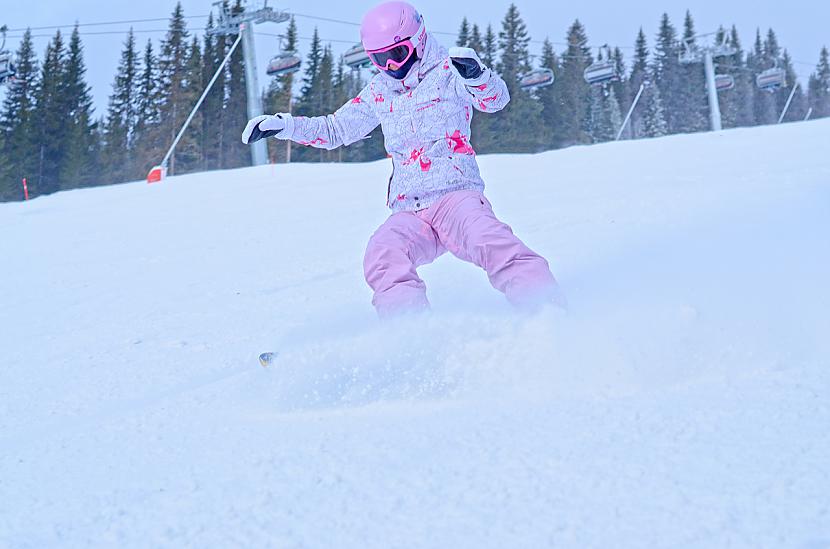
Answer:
(50, 135)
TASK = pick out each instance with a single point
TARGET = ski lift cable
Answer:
(150, 31)
(160, 19)
(273, 35)
(109, 33)
(328, 19)
(333, 40)
(441, 33)
(105, 23)
(155, 31)
(749, 70)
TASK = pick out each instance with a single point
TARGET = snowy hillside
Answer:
(683, 402)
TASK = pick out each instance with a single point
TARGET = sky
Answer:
(801, 25)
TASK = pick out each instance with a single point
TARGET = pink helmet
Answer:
(391, 22)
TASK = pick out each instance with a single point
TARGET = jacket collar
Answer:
(434, 55)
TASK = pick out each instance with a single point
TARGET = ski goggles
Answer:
(398, 54)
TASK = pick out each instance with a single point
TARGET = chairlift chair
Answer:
(7, 70)
(724, 48)
(538, 78)
(771, 79)
(724, 82)
(690, 53)
(356, 57)
(602, 71)
(284, 63)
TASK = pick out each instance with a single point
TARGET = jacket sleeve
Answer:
(492, 96)
(350, 123)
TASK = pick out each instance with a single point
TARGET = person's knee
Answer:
(384, 253)
(491, 244)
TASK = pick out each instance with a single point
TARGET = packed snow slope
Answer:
(684, 400)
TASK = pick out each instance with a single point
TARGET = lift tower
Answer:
(706, 54)
(243, 22)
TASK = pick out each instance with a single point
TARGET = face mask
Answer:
(403, 71)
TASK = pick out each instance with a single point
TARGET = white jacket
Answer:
(426, 127)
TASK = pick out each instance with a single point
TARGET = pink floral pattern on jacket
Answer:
(426, 127)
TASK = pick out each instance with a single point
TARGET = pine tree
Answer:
(798, 104)
(513, 43)
(620, 86)
(690, 111)
(119, 127)
(173, 82)
(343, 88)
(19, 152)
(484, 128)
(736, 104)
(490, 47)
(613, 114)
(211, 128)
(189, 148)
(476, 41)
(654, 118)
(49, 129)
(666, 74)
(521, 121)
(312, 70)
(343, 91)
(279, 97)
(763, 101)
(323, 94)
(463, 34)
(148, 139)
(235, 153)
(639, 76)
(548, 96)
(639, 69)
(574, 94)
(308, 103)
(327, 102)
(772, 50)
(774, 58)
(78, 165)
(605, 117)
(819, 88)
(97, 153)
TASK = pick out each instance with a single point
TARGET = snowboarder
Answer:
(423, 97)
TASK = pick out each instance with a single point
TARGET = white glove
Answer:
(467, 65)
(261, 127)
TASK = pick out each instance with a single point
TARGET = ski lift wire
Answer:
(305, 38)
(105, 23)
(205, 16)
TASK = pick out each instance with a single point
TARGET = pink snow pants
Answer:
(462, 222)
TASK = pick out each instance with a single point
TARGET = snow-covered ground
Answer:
(683, 402)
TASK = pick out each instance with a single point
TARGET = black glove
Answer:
(467, 65)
